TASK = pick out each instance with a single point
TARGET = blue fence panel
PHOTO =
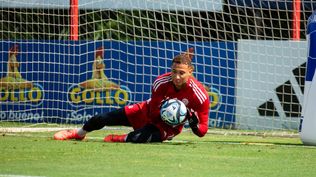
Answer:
(48, 86)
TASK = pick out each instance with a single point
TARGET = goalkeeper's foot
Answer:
(115, 138)
(68, 134)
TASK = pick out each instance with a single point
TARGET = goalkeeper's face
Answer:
(180, 74)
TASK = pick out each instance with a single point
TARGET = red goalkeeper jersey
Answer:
(193, 95)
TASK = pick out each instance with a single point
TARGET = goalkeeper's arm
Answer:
(198, 122)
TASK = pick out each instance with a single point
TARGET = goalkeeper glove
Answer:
(163, 101)
(193, 119)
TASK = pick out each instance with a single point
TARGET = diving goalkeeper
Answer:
(145, 118)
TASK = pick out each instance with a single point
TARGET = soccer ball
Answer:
(173, 112)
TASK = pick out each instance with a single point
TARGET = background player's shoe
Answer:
(68, 134)
(115, 138)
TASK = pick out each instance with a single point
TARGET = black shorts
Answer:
(148, 133)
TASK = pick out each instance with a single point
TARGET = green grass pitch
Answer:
(37, 154)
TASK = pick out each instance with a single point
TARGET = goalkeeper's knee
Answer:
(138, 137)
(147, 134)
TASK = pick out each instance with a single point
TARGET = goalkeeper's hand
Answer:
(193, 119)
(163, 101)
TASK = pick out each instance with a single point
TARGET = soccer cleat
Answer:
(68, 134)
(115, 138)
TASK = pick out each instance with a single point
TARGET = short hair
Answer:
(184, 58)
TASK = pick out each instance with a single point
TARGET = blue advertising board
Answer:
(70, 81)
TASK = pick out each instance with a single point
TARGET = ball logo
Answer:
(173, 112)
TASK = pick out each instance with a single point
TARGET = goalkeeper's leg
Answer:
(116, 117)
(148, 133)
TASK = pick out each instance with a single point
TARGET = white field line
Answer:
(7, 175)
(28, 129)
(48, 129)
(210, 131)
(254, 133)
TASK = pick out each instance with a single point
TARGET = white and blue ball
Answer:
(173, 112)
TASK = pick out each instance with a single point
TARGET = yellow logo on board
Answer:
(80, 96)
(14, 88)
(98, 90)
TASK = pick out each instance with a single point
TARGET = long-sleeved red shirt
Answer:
(193, 95)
